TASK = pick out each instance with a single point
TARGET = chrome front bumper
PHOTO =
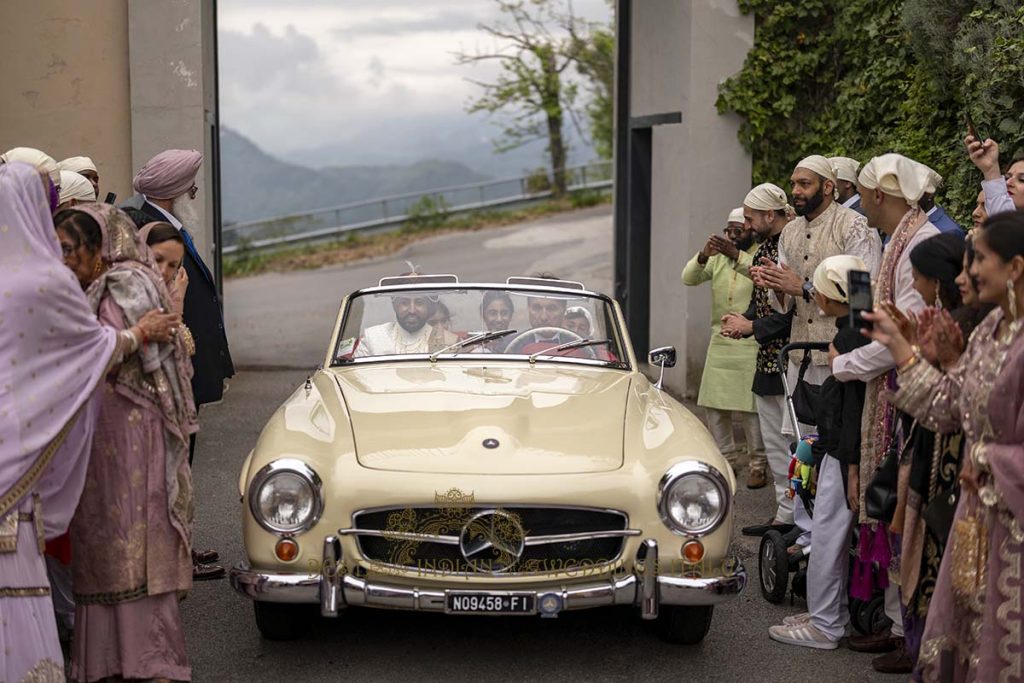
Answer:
(336, 590)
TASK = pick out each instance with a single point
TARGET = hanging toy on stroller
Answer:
(801, 468)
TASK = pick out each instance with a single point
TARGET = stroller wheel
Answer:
(872, 615)
(856, 605)
(773, 565)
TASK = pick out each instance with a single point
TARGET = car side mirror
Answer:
(663, 357)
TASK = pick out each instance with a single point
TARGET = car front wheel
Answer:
(684, 625)
(277, 621)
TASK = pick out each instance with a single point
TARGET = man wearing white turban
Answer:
(890, 186)
(846, 182)
(729, 364)
(822, 228)
(41, 160)
(74, 188)
(85, 167)
(766, 211)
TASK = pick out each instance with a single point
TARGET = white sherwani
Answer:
(391, 338)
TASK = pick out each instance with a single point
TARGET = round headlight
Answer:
(693, 499)
(285, 497)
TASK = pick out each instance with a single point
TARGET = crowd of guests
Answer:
(111, 337)
(916, 422)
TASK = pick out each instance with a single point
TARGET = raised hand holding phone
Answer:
(858, 287)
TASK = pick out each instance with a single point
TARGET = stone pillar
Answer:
(681, 51)
(172, 93)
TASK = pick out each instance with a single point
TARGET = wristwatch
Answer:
(808, 292)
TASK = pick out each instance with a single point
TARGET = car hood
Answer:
(545, 419)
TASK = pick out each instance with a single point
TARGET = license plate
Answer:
(459, 602)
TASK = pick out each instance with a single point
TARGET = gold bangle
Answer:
(188, 340)
(915, 356)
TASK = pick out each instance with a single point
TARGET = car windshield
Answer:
(441, 324)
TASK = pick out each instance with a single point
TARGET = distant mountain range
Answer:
(416, 156)
(255, 185)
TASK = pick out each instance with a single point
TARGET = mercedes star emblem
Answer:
(491, 443)
(492, 541)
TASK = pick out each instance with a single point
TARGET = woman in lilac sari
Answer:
(131, 534)
(974, 624)
(53, 356)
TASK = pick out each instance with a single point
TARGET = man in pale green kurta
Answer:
(725, 391)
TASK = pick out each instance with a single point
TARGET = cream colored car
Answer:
(485, 449)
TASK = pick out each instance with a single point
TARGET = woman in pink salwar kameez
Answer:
(973, 630)
(131, 534)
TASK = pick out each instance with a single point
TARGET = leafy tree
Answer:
(536, 45)
(596, 63)
(864, 77)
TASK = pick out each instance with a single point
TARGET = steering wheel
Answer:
(559, 336)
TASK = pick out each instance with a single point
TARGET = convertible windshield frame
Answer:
(615, 332)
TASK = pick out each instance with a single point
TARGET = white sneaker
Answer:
(794, 619)
(803, 635)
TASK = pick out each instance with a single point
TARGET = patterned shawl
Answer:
(53, 351)
(158, 377)
(877, 420)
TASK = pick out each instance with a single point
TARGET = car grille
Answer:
(442, 527)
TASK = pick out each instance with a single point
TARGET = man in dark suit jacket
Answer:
(938, 217)
(166, 187)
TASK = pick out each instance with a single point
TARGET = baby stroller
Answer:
(775, 563)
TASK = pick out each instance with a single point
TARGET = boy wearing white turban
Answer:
(890, 187)
(729, 365)
(838, 411)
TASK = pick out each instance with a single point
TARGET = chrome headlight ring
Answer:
(285, 467)
(678, 473)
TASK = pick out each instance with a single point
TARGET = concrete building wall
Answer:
(115, 80)
(63, 83)
(681, 51)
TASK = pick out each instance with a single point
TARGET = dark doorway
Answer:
(637, 294)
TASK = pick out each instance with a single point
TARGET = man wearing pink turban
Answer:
(167, 183)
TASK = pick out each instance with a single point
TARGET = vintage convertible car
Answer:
(485, 449)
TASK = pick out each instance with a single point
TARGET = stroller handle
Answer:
(799, 346)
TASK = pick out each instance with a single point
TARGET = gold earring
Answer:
(98, 268)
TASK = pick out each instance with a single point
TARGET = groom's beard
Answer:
(184, 209)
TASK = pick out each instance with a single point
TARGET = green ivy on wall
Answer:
(865, 77)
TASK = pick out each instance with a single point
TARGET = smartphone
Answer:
(858, 285)
(111, 198)
(972, 130)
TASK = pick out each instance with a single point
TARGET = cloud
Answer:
(261, 61)
(442, 21)
(310, 73)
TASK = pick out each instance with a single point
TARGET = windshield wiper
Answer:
(481, 338)
(578, 344)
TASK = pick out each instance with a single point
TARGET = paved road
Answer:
(283, 320)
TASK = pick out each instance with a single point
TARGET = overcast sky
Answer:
(301, 73)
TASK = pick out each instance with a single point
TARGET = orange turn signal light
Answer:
(286, 550)
(693, 551)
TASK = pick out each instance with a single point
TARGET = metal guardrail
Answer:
(389, 213)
